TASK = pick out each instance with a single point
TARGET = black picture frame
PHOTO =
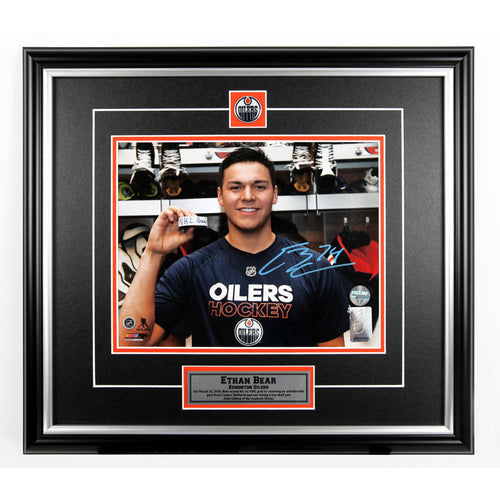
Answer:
(45, 67)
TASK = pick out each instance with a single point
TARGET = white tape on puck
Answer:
(192, 221)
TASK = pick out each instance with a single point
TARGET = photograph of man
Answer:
(250, 288)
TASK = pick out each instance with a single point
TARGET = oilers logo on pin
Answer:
(247, 108)
(248, 332)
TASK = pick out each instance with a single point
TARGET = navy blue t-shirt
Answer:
(285, 296)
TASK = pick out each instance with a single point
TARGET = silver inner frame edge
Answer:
(47, 251)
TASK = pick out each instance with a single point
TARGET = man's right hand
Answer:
(165, 235)
(139, 304)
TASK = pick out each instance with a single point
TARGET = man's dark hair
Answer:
(247, 155)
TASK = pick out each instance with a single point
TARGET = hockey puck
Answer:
(192, 221)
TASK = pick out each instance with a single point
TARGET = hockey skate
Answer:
(143, 173)
(301, 170)
(327, 180)
(171, 175)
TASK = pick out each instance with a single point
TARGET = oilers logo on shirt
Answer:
(248, 332)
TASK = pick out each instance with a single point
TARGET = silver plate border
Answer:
(49, 74)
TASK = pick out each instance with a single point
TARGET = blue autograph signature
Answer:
(309, 257)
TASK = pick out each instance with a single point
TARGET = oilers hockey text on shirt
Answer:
(256, 300)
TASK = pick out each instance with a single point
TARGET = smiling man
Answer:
(247, 191)
(218, 291)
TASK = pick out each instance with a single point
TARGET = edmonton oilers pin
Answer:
(247, 109)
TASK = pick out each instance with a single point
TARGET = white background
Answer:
(259, 23)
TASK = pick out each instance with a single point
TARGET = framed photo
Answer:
(318, 298)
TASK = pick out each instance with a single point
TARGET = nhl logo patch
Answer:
(251, 271)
